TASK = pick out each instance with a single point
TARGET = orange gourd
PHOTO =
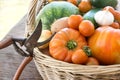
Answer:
(81, 56)
(109, 8)
(65, 43)
(73, 2)
(74, 21)
(117, 16)
(92, 61)
(86, 28)
(115, 25)
(105, 45)
(85, 6)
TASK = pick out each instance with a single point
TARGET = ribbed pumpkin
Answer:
(64, 44)
(105, 45)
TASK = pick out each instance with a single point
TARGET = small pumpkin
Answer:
(65, 43)
(86, 28)
(101, 17)
(54, 0)
(115, 25)
(73, 2)
(85, 6)
(105, 45)
(81, 56)
(74, 21)
(92, 61)
(117, 16)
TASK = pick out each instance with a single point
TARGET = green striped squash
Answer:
(55, 10)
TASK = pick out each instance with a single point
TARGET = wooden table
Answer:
(10, 59)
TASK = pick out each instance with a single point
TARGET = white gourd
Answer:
(104, 17)
(44, 36)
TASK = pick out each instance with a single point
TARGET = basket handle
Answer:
(31, 17)
(34, 8)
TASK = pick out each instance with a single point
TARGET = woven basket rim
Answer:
(44, 59)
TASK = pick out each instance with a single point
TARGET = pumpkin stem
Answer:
(87, 50)
(71, 44)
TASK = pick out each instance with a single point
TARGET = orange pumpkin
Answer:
(92, 61)
(115, 25)
(73, 2)
(105, 45)
(84, 6)
(79, 57)
(65, 43)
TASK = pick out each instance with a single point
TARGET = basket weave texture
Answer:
(51, 69)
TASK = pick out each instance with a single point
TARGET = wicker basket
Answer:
(51, 69)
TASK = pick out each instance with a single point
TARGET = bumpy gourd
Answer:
(65, 43)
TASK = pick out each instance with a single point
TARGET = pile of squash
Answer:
(85, 33)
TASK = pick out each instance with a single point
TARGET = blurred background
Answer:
(11, 11)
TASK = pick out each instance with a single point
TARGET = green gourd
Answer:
(55, 10)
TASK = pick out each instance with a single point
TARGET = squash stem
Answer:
(71, 44)
(87, 50)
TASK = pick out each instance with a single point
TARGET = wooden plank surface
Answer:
(10, 59)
